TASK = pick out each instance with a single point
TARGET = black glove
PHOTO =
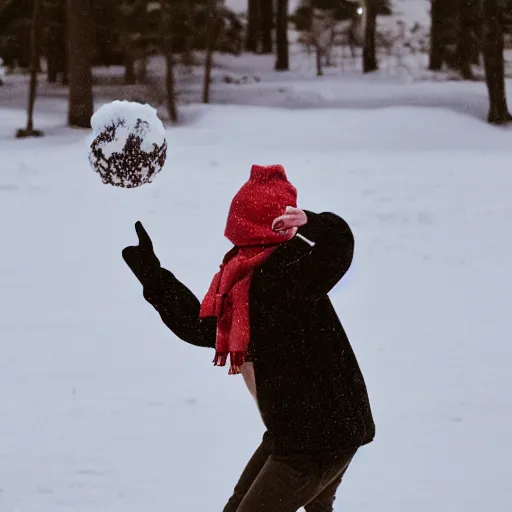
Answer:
(141, 258)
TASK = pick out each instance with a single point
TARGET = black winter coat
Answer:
(311, 393)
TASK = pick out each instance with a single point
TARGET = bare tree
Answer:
(494, 64)
(282, 58)
(267, 24)
(35, 41)
(80, 73)
(436, 48)
(321, 35)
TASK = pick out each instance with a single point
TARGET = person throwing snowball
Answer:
(267, 313)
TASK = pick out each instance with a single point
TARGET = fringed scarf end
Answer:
(220, 359)
(236, 360)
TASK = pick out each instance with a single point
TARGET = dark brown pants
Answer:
(271, 483)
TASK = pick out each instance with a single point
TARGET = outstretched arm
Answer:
(179, 309)
(177, 305)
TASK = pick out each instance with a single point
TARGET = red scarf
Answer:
(249, 227)
(228, 300)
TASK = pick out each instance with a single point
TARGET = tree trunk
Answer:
(35, 43)
(267, 24)
(210, 48)
(23, 47)
(55, 38)
(53, 49)
(80, 73)
(65, 71)
(319, 70)
(252, 35)
(168, 49)
(282, 60)
(370, 33)
(436, 48)
(171, 90)
(142, 69)
(187, 13)
(478, 28)
(65, 52)
(328, 53)
(130, 76)
(51, 71)
(494, 64)
(466, 38)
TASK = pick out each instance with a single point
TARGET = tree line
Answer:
(74, 35)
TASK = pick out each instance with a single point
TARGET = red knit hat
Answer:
(261, 199)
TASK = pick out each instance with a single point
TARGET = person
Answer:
(268, 313)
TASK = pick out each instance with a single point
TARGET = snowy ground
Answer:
(104, 410)
(259, 85)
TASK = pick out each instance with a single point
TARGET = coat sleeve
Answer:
(315, 273)
(179, 309)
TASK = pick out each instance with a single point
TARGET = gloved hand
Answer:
(141, 258)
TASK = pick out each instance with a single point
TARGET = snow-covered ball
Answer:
(128, 147)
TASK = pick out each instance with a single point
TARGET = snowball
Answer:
(128, 147)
